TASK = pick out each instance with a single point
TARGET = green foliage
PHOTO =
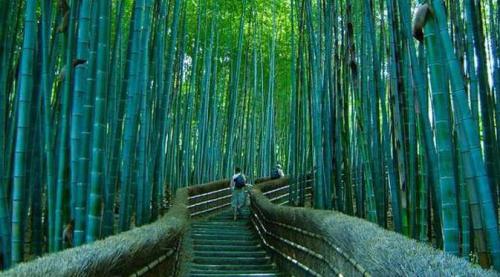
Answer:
(129, 100)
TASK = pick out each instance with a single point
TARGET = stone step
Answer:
(223, 223)
(231, 215)
(224, 247)
(226, 242)
(249, 254)
(227, 248)
(228, 228)
(224, 236)
(232, 260)
(231, 219)
(209, 231)
(242, 234)
(231, 267)
(236, 271)
(245, 210)
(235, 274)
(224, 227)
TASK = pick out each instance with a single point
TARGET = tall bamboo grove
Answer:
(107, 107)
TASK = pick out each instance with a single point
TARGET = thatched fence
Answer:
(145, 251)
(310, 242)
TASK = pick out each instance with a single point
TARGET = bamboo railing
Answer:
(309, 242)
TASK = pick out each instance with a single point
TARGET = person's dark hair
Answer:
(237, 170)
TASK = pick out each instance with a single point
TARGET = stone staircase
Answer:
(223, 247)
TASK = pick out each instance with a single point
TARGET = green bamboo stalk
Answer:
(94, 217)
(333, 189)
(82, 46)
(441, 112)
(48, 126)
(159, 88)
(339, 120)
(80, 91)
(293, 143)
(422, 188)
(61, 214)
(130, 120)
(116, 104)
(142, 158)
(269, 157)
(23, 125)
(465, 221)
(4, 199)
(34, 165)
(411, 142)
(352, 82)
(4, 212)
(37, 183)
(399, 147)
(88, 99)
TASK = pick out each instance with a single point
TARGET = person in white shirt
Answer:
(277, 172)
(238, 199)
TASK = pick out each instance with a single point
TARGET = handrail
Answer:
(207, 198)
(328, 243)
(207, 193)
(203, 212)
(260, 226)
(156, 263)
(258, 214)
(209, 201)
(275, 190)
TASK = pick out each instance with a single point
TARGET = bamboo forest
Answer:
(122, 122)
